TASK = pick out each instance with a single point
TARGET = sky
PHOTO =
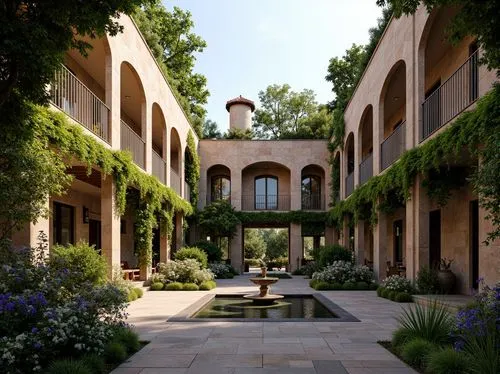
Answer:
(255, 43)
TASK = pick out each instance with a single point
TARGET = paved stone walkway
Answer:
(263, 347)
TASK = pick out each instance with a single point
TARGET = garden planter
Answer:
(446, 280)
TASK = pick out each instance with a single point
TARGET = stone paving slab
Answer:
(221, 347)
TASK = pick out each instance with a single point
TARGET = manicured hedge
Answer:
(177, 286)
(399, 297)
(347, 286)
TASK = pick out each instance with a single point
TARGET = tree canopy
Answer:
(174, 45)
(36, 34)
(211, 130)
(284, 114)
(254, 244)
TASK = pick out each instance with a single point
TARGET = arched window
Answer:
(311, 192)
(266, 193)
(221, 188)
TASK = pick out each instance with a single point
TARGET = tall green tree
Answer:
(211, 130)
(276, 243)
(254, 246)
(169, 35)
(283, 113)
(35, 35)
(478, 18)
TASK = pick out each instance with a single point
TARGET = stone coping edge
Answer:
(186, 314)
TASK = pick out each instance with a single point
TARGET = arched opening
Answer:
(349, 149)
(132, 114)
(81, 88)
(312, 179)
(218, 183)
(365, 139)
(393, 115)
(175, 160)
(266, 186)
(159, 132)
(450, 72)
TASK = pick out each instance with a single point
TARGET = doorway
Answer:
(95, 234)
(397, 231)
(434, 238)
(474, 245)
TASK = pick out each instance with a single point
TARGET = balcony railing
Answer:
(349, 184)
(313, 201)
(130, 141)
(393, 147)
(70, 95)
(451, 98)
(216, 197)
(366, 169)
(175, 181)
(159, 167)
(187, 191)
(265, 202)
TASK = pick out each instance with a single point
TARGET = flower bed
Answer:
(183, 275)
(222, 271)
(342, 275)
(396, 288)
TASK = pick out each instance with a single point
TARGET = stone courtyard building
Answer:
(414, 86)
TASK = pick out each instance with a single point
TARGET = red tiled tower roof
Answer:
(240, 100)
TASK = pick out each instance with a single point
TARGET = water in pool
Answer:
(306, 307)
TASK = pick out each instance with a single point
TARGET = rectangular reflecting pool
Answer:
(289, 307)
(292, 308)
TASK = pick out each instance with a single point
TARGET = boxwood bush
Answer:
(190, 287)
(157, 286)
(417, 351)
(174, 286)
(194, 253)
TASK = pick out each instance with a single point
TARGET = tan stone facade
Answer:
(414, 86)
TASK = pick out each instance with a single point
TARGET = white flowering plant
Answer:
(397, 283)
(220, 270)
(44, 316)
(342, 272)
(185, 271)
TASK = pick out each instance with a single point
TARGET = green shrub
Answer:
(194, 253)
(373, 286)
(427, 280)
(403, 297)
(448, 361)
(362, 286)
(132, 296)
(313, 282)
(385, 293)
(252, 262)
(349, 286)
(157, 286)
(69, 367)
(174, 286)
(392, 295)
(400, 337)
(416, 352)
(94, 363)
(83, 264)
(432, 323)
(298, 272)
(214, 253)
(228, 276)
(379, 291)
(322, 286)
(190, 287)
(336, 286)
(139, 292)
(128, 338)
(114, 352)
(326, 255)
(207, 285)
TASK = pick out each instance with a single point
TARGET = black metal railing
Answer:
(265, 202)
(132, 142)
(216, 197)
(451, 98)
(393, 147)
(349, 183)
(159, 167)
(70, 95)
(312, 201)
(366, 169)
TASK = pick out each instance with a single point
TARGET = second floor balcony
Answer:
(366, 169)
(314, 201)
(159, 167)
(175, 181)
(132, 142)
(349, 184)
(393, 146)
(265, 202)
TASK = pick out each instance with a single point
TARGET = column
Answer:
(113, 100)
(359, 242)
(147, 135)
(236, 248)
(330, 235)
(380, 247)
(295, 242)
(236, 189)
(164, 247)
(28, 235)
(110, 225)
(179, 232)
(295, 190)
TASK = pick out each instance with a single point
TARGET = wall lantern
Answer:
(85, 215)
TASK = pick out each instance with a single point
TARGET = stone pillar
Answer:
(110, 224)
(330, 235)
(344, 240)
(236, 189)
(236, 248)
(179, 232)
(489, 260)
(380, 247)
(295, 243)
(164, 247)
(147, 135)
(295, 189)
(113, 100)
(359, 242)
(28, 235)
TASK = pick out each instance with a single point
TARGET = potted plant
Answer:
(446, 277)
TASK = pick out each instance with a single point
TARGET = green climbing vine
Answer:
(151, 202)
(281, 218)
(192, 168)
(474, 131)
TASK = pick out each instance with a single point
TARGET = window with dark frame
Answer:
(221, 188)
(266, 193)
(311, 192)
(63, 224)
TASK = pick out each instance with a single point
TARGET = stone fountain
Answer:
(264, 282)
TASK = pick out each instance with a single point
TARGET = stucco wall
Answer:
(240, 117)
